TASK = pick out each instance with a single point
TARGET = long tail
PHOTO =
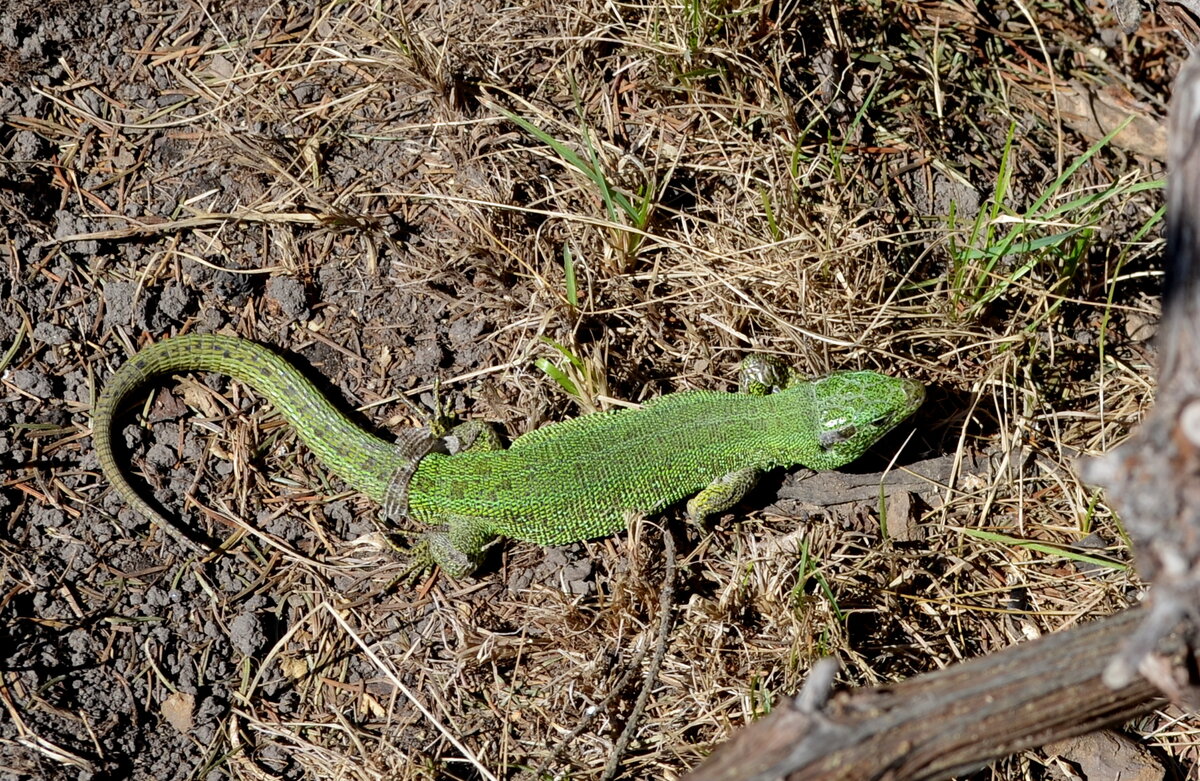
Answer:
(358, 457)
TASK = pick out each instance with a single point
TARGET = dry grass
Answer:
(851, 186)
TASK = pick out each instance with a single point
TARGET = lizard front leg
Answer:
(758, 375)
(721, 494)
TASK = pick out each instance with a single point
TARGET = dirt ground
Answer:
(553, 209)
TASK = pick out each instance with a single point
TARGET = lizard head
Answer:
(854, 409)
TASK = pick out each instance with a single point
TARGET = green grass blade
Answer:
(1047, 548)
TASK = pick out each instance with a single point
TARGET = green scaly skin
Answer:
(564, 482)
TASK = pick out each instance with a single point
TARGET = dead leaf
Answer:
(177, 709)
(1109, 756)
(1095, 112)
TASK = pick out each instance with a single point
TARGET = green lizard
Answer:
(561, 483)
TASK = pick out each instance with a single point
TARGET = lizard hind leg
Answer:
(458, 547)
(472, 436)
(721, 494)
(455, 544)
(443, 547)
(460, 437)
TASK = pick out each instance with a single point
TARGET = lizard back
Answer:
(580, 479)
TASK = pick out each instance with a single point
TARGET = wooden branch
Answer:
(1153, 479)
(944, 723)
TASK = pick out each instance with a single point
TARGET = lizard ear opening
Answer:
(828, 439)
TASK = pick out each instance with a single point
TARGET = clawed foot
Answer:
(417, 558)
(432, 549)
